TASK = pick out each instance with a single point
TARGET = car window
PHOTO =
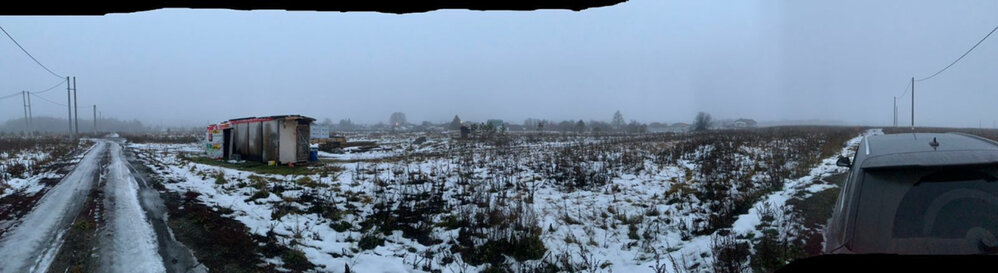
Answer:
(949, 203)
(951, 210)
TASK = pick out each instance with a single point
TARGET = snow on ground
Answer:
(747, 222)
(351, 156)
(27, 185)
(612, 227)
(31, 245)
(132, 246)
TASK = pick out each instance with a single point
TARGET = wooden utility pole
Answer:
(76, 110)
(95, 120)
(912, 104)
(69, 107)
(24, 103)
(31, 117)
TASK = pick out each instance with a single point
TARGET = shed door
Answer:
(303, 135)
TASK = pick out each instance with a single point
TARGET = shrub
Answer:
(370, 240)
(259, 194)
(220, 179)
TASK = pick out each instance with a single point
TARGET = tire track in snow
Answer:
(31, 246)
(131, 244)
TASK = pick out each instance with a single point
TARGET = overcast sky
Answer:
(653, 60)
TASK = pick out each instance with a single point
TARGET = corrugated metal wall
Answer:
(240, 139)
(261, 140)
(271, 138)
(255, 142)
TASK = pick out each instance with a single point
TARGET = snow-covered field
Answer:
(32, 163)
(621, 204)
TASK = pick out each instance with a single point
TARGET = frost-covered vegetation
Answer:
(24, 161)
(703, 202)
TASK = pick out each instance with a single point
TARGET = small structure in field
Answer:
(679, 127)
(745, 123)
(465, 131)
(496, 125)
(282, 139)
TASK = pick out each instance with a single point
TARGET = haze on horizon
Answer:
(652, 60)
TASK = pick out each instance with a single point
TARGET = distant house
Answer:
(679, 127)
(745, 123)
(658, 127)
(497, 124)
(320, 131)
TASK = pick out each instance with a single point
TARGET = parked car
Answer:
(923, 194)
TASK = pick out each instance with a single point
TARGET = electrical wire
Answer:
(11, 95)
(961, 56)
(906, 89)
(43, 98)
(50, 88)
(29, 54)
(39, 92)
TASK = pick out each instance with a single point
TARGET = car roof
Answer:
(916, 149)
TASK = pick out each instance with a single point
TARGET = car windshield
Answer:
(493, 136)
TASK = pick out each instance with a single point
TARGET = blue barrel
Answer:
(313, 155)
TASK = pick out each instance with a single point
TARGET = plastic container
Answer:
(313, 154)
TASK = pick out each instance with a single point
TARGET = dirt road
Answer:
(101, 217)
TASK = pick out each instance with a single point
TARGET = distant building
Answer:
(745, 123)
(496, 123)
(465, 131)
(679, 127)
(283, 139)
(320, 131)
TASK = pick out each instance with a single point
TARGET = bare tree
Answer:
(455, 124)
(397, 119)
(703, 122)
(618, 121)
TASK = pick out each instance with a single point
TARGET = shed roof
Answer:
(266, 118)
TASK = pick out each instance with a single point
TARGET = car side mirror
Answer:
(843, 162)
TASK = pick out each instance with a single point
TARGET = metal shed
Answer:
(283, 139)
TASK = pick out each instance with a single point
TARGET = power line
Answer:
(50, 88)
(11, 95)
(39, 92)
(961, 56)
(43, 98)
(29, 54)
(906, 89)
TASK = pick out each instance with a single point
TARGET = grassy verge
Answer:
(815, 210)
(812, 212)
(224, 244)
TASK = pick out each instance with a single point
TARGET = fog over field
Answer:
(660, 61)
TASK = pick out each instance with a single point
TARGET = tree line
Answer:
(617, 124)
